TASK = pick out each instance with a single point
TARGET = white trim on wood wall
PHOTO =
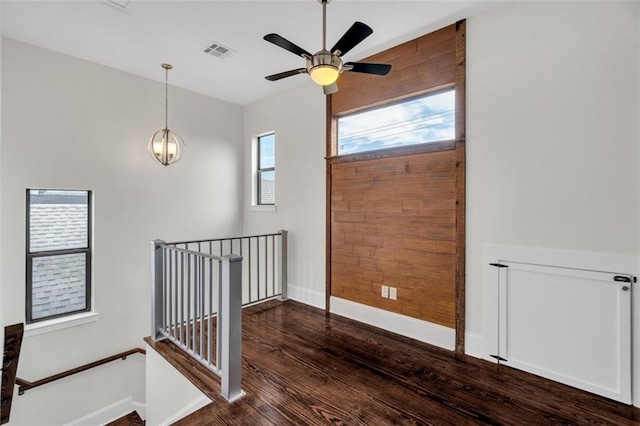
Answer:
(424, 331)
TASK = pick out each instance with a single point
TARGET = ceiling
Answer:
(147, 33)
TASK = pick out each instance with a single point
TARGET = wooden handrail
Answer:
(25, 385)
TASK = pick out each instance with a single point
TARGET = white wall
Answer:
(298, 119)
(73, 124)
(1, 323)
(552, 133)
(170, 396)
(552, 140)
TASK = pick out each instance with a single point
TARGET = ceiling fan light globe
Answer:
(324, 75)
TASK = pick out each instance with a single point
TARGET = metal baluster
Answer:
(170, 301)
(221, 248)
(258, 266)
(194, 333)
(196, 293)
(266, 268)
(273, 265)
(175, 299)
(164, 289)
(220, 319)
(202, 300)
(209, 334)
(244, 263)
(182, 330)
(188, 340)
(249, 267)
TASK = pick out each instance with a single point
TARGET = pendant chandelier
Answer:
(166, 146)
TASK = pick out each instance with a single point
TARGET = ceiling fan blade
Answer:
(367, 68)
(330, 88)
(286, 44)
(352, 38)
(285, 74)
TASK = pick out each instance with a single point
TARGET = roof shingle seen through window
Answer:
(58, 283)
(58, 226)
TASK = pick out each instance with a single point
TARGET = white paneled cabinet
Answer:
(565, 322)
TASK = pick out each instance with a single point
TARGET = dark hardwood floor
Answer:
(302, 367)
(131, 419)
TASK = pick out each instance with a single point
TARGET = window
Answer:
(266, 170)
(58, 253)
(425, 119)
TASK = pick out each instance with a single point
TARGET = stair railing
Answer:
(199, 288)
(197, 304)
(264, 265)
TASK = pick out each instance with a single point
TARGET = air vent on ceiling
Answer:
(218, 51)
(120, 3)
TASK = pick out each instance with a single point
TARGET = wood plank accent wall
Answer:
(396, 217)
(421, 65)
(394, 223)
(461, 186)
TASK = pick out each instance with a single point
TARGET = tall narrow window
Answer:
(424, 119)
(58, 253)
(266, 170)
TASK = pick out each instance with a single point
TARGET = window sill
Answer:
(43, 327)
(263, 208)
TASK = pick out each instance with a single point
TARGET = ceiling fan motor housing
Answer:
(324, 68)
(324, 58)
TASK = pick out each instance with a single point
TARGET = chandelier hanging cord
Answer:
(166, 67)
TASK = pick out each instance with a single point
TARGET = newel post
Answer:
(282, 265)
(231, 325)
(157, 290)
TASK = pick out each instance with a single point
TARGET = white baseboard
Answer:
(424, 331)
(307, 296)
(141, 408)
(473, 344)
(190, 408)
(110, 413)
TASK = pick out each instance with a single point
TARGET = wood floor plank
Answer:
(304, 367)
(131, 419)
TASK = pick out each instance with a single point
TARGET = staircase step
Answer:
(131, 419)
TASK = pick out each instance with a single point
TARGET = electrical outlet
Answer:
(385, 291)
(393, 293)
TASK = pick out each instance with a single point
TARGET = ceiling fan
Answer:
(325, 66)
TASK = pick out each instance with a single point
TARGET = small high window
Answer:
(425, 119)
(58, 253)
(266, 169)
